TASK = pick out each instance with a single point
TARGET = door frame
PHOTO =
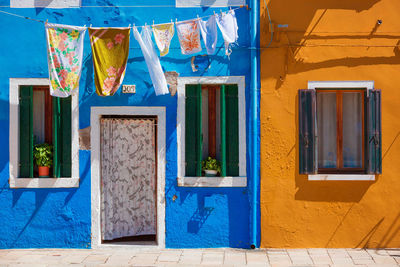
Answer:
(95, 115)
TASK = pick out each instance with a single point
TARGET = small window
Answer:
(340, 124)
(43, 118)
(211, 127)
(340, 131)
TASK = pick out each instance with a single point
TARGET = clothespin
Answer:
(129, 26)
(214, 13)
(230, 8)
(176, 20)
(47, 21)
(90, 26)
(153, 22)
(172, 21)
(198, 18)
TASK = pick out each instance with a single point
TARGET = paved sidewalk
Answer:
(200, 257)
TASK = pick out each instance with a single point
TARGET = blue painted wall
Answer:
(199, 217)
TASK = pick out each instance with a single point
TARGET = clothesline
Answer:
(141, 26)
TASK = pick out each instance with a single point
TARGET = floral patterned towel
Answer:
(110, 48)
(163, 34)
(64, 57)
(189, 36)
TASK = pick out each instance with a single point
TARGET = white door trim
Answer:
(95, 115)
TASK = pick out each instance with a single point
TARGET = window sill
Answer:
(228, 181)
(341, 177)
(44, 182)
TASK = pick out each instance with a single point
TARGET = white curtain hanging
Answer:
(128, 166)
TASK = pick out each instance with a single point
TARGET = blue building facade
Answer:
(48, 217)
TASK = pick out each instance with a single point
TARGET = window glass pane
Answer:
(352, 129)
(326, 123)
(38, 116)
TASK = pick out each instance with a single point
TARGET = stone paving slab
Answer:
(200, 257)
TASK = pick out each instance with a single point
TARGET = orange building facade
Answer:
(316, 41)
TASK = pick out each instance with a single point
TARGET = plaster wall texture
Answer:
(38, 218)
(342, 42)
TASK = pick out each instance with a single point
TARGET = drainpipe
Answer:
(254, 155)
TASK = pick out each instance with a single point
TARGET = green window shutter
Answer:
(307, 132)
(62, 136)
(223, 128)
(374, 132)
(232, 130)
(193, 134)
(26, 131)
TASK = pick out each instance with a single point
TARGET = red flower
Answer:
(119, 38)
(63, 74)
(63, 36)
(62, 46)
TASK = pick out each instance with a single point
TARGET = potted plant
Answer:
(211, 167)
(43, 155)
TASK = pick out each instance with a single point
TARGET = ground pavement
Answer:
(200, 257)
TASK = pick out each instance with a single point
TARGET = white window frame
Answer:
(45, 3)
(209, 3)
(95, 114)
(64, 182)
(229, 181)
(368, 85)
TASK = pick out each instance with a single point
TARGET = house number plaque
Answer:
(128, 89)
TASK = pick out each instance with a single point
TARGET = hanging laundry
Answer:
(152, 61)
(209, 33)
(110, 48)
(163, 34)
(227, 24)
(189, 36)
(64, 57)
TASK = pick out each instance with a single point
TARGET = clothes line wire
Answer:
(38, 20)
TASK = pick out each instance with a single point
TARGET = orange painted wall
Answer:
(327, 40)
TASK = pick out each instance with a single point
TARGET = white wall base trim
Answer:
(341, 177)
(212, 181)
(44, 182)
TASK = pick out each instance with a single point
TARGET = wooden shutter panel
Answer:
(26, 131)
(62, 136)
(307, 132)
(222, 107)
(193, 135)
(232, 130)
(374, 132)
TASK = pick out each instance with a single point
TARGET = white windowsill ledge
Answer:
(341, 177)
(227, 181)
(44, 182)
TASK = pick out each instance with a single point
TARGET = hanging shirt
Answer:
(110, 48)
(209, 33)
(163, 34)
(152, 61)
(227, 24)
(189, 36)
(64, 57)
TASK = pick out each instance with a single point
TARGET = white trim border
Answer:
(369, 85)
(226, 181)
(182, 81)
(16, 182)
(95, 115)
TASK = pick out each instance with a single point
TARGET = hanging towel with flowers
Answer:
(152, 61)
(163, 34)
(64, 57)
(209, 33)
(189, 36)
(110, 49)
(227, 24)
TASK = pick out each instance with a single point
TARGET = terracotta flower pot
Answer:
(44, 171)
